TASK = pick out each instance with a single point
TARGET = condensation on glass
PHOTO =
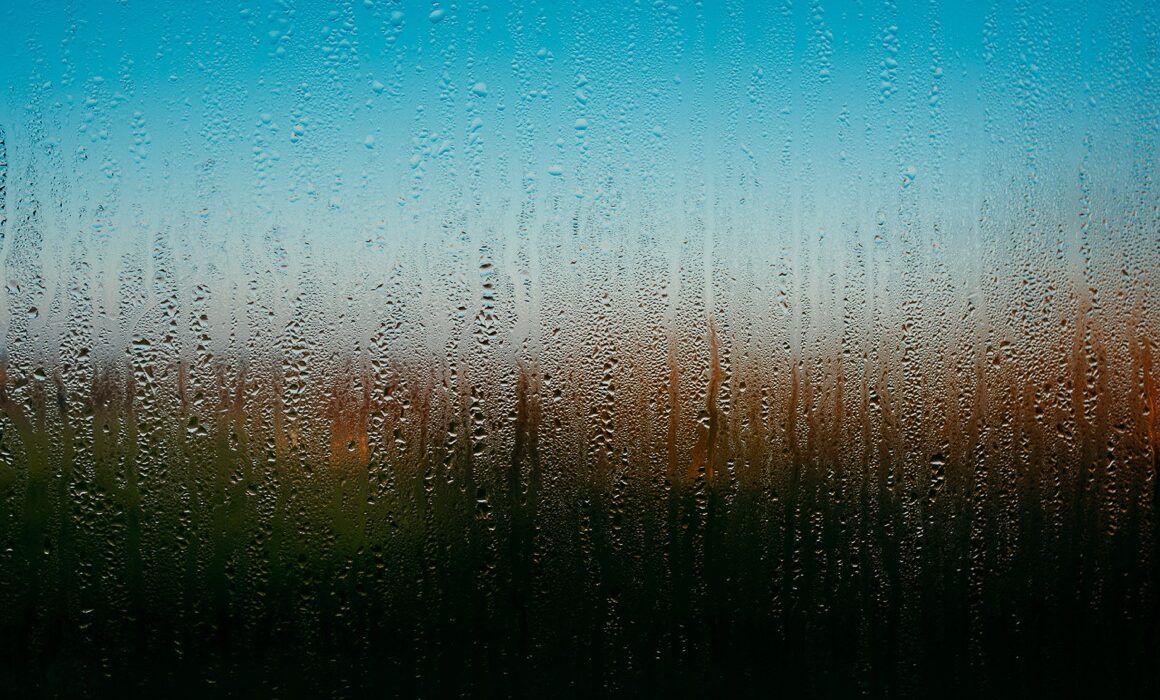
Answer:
(582, 347)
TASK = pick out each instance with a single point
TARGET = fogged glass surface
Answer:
(579, 348)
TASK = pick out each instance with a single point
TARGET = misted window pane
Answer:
(534, 349)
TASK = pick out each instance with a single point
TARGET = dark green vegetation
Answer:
(200, 566)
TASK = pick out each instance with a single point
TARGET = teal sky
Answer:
(362, 111)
